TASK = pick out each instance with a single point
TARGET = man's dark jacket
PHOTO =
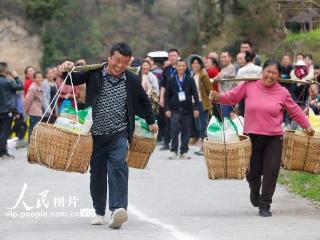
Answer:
(8, 88)
(137, 100)
(172, 102)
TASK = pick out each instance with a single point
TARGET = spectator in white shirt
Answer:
(250, 70)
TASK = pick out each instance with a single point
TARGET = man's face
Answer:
(173, 57)
(286, 61)
(245, 47)
(225, 59)
(241, 59)
(181, 67)
(118, 63)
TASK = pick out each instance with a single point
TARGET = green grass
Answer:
(308, 42)
(304, 184)
(313, 36)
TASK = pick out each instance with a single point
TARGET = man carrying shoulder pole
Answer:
(116, 96)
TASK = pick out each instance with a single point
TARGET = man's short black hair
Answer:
(174, 50)
(227, 52)
(316, 66)
(3, 67)
(247, 42)
(182, 60)
(123, 48)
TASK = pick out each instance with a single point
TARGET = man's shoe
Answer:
(174, 156)
(265, 212)
(98, 220)
(184, 156)
(118, 217)
(165, 147)
(254, 198)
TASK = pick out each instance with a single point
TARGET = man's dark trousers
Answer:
(180, 123)
(108, 167)
(5, 130)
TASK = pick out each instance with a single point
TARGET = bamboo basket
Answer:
(58, 149)
(301, 152)
(227, 161)
(140, 151)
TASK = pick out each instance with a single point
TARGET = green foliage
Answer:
(249, 20)
(307, 42)
(43, 10)
(72, 39)
(72, 36)
(304, 184)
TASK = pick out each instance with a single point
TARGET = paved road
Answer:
(172, 199)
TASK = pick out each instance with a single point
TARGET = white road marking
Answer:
(178, 235)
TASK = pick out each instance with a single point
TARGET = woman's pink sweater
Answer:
(264, 107)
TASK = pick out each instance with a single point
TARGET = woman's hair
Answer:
(47, 70)
(271, 62)
(146, 61)
(27, 68)
(37, 73)
(308, 56)
(249, 56)
(215, 62)
(199, 61)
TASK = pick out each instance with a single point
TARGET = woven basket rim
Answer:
(63, 130)
(144, 138)
(292, 132)
(222, 143)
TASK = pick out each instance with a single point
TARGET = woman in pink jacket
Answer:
(265, 100)
(33, 102)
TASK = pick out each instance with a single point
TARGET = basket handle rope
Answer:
(223, 130)
(55, 100)
(224, 139)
